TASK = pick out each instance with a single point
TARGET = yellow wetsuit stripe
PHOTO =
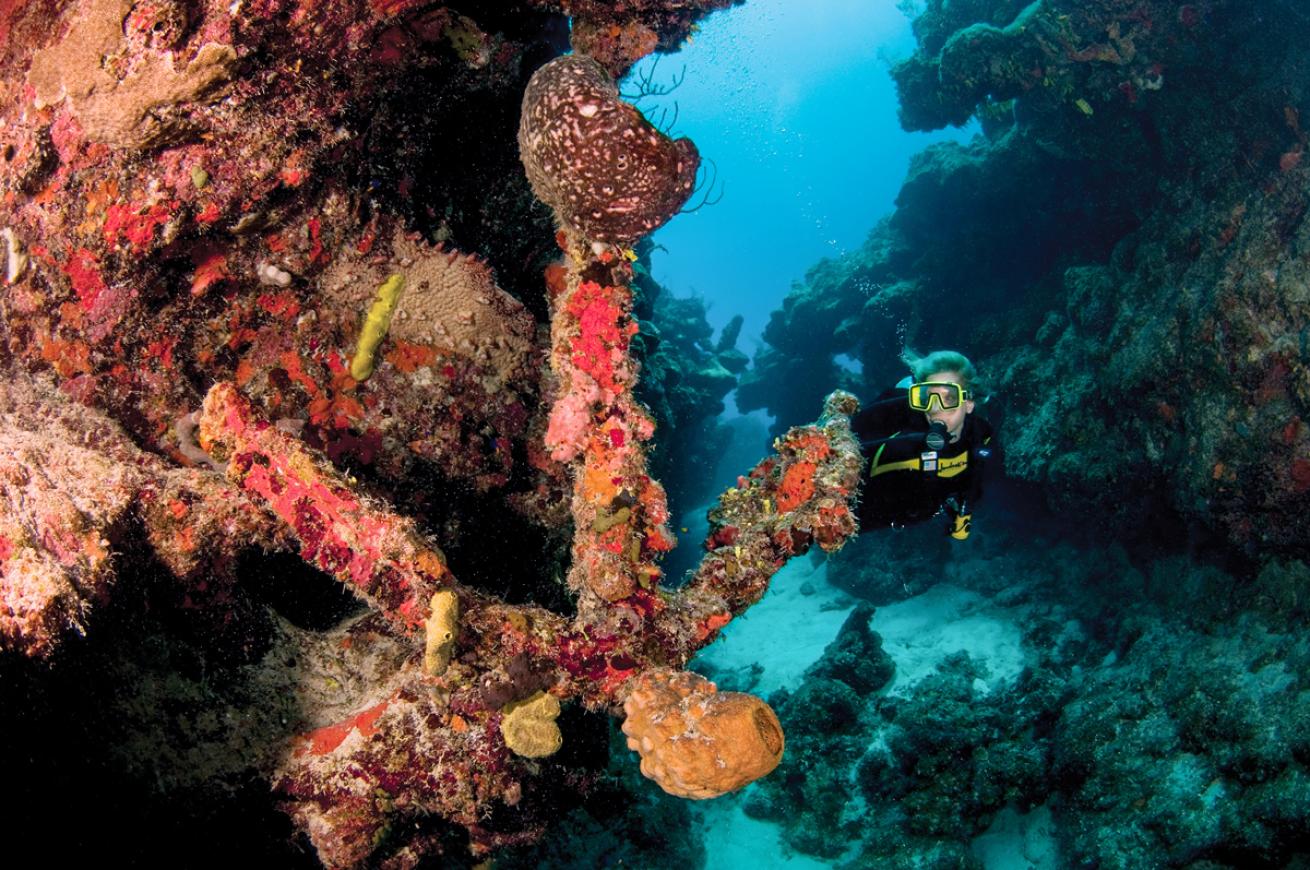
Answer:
(953, 465)
(894, 466)
(948, 467)
(873, 466)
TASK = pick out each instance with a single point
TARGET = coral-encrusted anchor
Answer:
(432, 743)
(413, 712)
(610, 176)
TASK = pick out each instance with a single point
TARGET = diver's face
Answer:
(952, 417)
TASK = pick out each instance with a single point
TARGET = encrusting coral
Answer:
(129, 108)
(225, 270)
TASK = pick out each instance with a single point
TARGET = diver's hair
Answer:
(922, 367)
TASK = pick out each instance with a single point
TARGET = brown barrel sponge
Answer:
(594, 159)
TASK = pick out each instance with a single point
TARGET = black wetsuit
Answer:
(904, 482)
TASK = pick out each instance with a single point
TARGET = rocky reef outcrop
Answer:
(822, 718)
(1119, 715)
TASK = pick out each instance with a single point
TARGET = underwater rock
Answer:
(1154, 723)
(855, 657)
(1045, 53)
(619, 34)
(713, 378)
(165, 256)
(63, 505)
(734, 360)
(953, 755)
(889, 566)
(74, 491)
(823, 717)
(595, 160)
(1201, 741)
(728, 338)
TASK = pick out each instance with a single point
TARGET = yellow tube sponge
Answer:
(698, 742)
(529, 728)
(440, 631)
(375, 326)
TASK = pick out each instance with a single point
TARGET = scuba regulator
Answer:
(935, 439)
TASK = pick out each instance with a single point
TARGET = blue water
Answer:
(794, 105)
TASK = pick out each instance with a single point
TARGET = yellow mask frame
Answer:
(948, 394)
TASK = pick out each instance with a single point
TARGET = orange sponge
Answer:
(696, 741)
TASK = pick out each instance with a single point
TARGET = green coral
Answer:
(375, 327)
(529, 726)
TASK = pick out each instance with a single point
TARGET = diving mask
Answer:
(947, 394)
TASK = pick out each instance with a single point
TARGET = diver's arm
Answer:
(895, 447)
(881, 419)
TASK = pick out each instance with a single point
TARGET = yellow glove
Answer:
(960, 527)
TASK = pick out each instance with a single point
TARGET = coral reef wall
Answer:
(1121, 252)
(282, 311)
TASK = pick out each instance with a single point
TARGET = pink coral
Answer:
(570, 421)
(381, 557)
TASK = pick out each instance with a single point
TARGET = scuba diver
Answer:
(924, 449)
